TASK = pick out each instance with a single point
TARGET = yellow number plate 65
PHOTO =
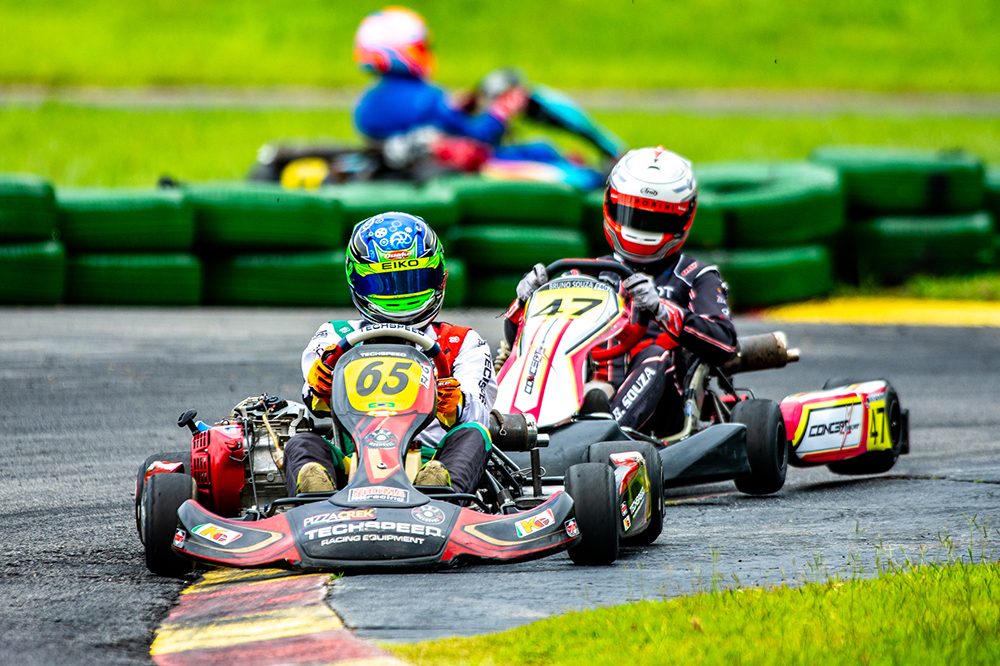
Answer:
(382, 384)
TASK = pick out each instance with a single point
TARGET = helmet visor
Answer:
(398, 283)
(650, 215)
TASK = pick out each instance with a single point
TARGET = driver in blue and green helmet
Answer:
(396, 271)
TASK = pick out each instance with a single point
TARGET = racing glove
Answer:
(642, 290)
(320, 377)
(449, 401)
(531, 281)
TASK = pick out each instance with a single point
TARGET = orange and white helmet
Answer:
(649, 204)
(394, 40)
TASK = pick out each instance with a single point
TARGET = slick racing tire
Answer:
(767, 446)
(770, 204)
(601, 452)
(875, 462)
(140, 480)
(892, 180)
(32, 273)
(162, 497)
(27, 209)
(592, 487)
(125, 220)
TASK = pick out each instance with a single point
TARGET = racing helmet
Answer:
(394, 40)
(649, 204)
(396, 271)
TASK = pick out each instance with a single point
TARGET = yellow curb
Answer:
(223, 577)
(245, 629)
(889, 312)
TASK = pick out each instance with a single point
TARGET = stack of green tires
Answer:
(912, 211)
(32, 265)
(991, 182)
(262, 244)
(776, 221)
(507, 226)
(128, 247)
(433, 202)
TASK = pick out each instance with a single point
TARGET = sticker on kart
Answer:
(584, 303)
(382, 383)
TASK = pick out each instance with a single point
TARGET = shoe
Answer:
(433, 474)
(313, 478)
(595, 402)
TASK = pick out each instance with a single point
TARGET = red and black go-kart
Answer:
(223, 503)
(853, 427)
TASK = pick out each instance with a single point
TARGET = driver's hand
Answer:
(320, 377)
(642, 290)
(531, 281)
(449, 401)
(509, 104)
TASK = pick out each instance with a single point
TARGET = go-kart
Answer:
(223, 502)
(727, 433)
(426, 152)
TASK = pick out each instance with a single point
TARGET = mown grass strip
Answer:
(77, 146)
(980, 287)
(916, 615)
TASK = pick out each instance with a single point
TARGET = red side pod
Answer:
(836, 424)
(217, 467)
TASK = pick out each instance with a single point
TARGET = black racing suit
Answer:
(647, 380)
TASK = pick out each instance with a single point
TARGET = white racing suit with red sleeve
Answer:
(463, 449)
(647, 380)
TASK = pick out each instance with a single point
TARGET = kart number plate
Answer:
(382, 384)
(573, 303)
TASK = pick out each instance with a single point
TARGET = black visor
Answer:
(629, 216)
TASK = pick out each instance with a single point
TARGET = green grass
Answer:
(915, 615)
(73, 146)
(869, 44)
(981, 287)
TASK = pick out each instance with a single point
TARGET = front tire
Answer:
(877, 462)
(140, 480)
(162, 497)
(601, 453)
(592, 487)
(767, 446)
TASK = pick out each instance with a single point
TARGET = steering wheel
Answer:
(631, 334)
(407, 333)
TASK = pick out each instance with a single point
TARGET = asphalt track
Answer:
(87, 393)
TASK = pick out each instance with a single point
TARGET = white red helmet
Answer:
(649, 204)
(394, 40)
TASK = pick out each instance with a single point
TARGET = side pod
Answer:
(718, 453)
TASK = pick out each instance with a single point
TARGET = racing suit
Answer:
(648, 380)
(463, 449)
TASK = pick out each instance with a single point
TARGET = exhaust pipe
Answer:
(762, 352)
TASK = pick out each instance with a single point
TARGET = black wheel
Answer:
(878, 462)
(601, 452)
(140, 479)
(592, 487)
(162, 496)
(767, 446)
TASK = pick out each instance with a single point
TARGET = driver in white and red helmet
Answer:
(649, 206)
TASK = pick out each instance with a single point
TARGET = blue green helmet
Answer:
(395, 267)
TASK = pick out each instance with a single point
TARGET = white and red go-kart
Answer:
(855, 428)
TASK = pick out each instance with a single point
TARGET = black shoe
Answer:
(594, 402)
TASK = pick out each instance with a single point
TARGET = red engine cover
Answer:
(217, 467)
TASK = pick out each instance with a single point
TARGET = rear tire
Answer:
(601, 452)
(163, 495)
(767, 446)
(140, 480)
(592, 487)
(877, 462)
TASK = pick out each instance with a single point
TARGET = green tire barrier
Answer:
(456, 290)
(520, 202)
(309, 279)
(758, 278)
(27, 209)
(767, 204)
(32, 273)
(494, 290)
(124, 220)
(133, 279)
(992, 183)
(890, 180)
(891, 249)
(592, 222)
(359, 201)
(498, 249)
(236, 217)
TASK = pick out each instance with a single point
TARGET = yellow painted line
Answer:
(889, 312)
(246, 629)
(222, 577)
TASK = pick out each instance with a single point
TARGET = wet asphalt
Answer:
(87, 393)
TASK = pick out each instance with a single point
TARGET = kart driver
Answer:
(649, 205)
(394, 44)
(456, 446)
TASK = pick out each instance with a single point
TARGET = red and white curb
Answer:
(267, 617)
